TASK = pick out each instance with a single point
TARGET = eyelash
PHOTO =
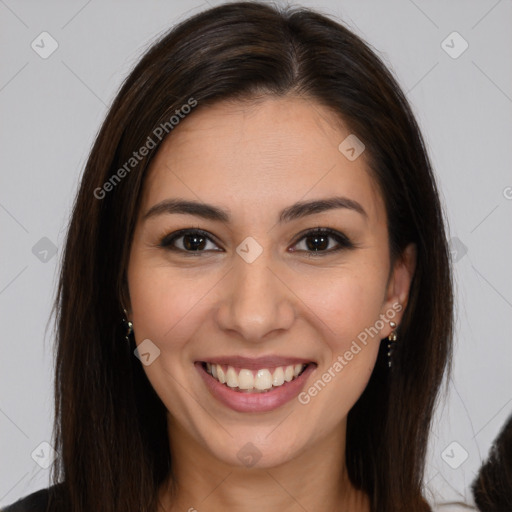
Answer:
(343, 241)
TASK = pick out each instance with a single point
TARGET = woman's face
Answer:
(241, 279)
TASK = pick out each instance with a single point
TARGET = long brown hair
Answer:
(110, 426)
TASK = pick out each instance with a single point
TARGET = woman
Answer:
(255, 304)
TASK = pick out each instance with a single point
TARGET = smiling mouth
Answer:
(262, 380)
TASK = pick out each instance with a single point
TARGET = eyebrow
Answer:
(293, 212)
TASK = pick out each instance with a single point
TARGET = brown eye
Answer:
(323, 241)
(194, 242)
(189, 241)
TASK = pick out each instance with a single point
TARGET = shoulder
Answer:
(35, 502)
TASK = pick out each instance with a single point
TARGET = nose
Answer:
(255, 301)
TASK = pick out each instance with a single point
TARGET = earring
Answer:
(391, 341)
(128, 326)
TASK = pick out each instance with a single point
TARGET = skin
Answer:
(253, 160)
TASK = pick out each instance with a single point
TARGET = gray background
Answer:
(52, 108)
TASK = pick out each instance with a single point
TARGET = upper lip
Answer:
(255, 363)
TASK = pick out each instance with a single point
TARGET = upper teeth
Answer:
(260, 380)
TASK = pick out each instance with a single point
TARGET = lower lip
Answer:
(255, 402)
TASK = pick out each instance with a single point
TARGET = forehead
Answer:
(275, 151)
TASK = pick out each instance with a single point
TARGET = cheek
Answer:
(337, 385)
(164, 304)
(347, 301)
(166, 310)
(347, 308)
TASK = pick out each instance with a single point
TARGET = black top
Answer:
(35, 502)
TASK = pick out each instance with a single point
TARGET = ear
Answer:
(399, 284)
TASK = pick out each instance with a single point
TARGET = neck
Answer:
(316, 479)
